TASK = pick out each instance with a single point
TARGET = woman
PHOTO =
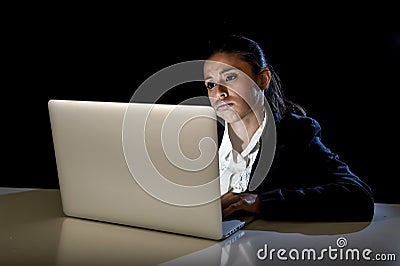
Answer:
(306, 180)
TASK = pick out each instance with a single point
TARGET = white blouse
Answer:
(235, 168)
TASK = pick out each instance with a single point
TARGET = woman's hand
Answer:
(232, 202)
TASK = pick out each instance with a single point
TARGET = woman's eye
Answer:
(231, 77)
(210, 85)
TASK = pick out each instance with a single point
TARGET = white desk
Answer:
(34, 231)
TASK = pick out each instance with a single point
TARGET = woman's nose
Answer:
(222, 91)
(222, 96)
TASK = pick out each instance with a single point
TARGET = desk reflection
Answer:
(85, 242)
(34, 231)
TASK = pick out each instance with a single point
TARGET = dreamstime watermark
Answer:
(146, 168)
(338, 252)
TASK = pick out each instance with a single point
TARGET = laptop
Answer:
(152, 166)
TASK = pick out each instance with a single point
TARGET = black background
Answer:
(342, 68)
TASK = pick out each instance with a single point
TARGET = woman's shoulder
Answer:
(297, 120)
(297, 128)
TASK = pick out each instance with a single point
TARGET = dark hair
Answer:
(251, 52)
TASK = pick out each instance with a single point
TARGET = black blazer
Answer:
(307, 181)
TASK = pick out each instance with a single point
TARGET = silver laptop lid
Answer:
(104, 175)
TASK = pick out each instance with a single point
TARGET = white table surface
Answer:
(34, 231)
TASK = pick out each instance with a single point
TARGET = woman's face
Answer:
(232, 90)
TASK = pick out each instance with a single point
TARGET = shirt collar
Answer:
(226, 145)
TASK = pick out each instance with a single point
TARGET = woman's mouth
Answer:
(223, 106)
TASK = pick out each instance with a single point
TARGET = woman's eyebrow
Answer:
(227, 70)
(223, 72)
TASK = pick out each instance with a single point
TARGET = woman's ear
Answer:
(264, 77)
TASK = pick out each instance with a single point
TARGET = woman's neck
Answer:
(241, 131)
